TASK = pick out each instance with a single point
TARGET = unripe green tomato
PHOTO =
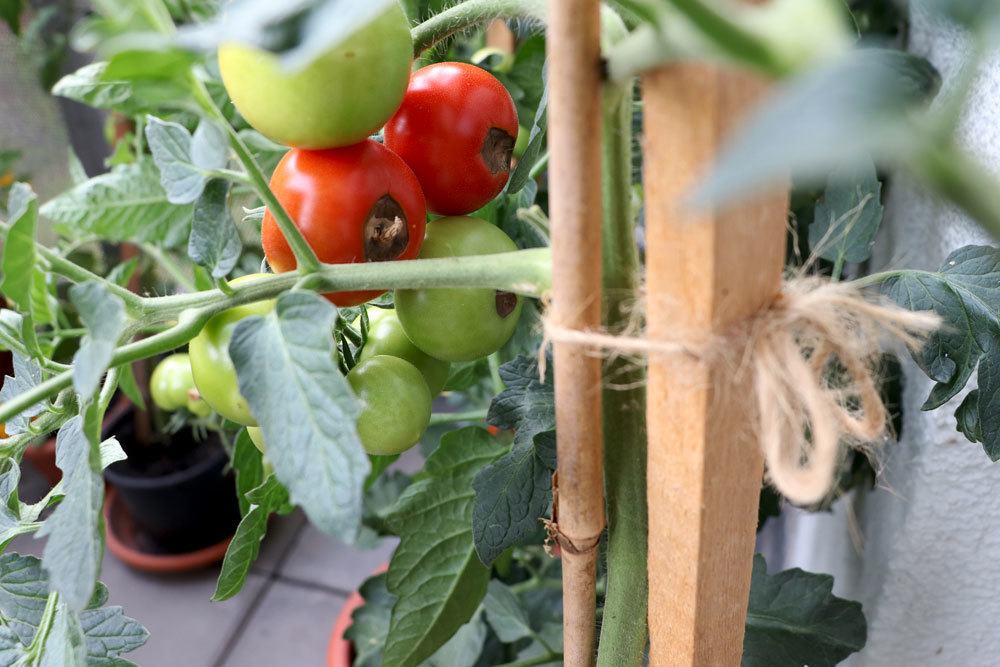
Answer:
(340, 98)
(256, 437)
(214, 373)
(197, 405)
(460, 324)
(396, 404)
(170, 382)
(521, 144)
(386, 336)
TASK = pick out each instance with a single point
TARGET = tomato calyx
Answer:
(506, 303)
(498, 150)
(386, 232)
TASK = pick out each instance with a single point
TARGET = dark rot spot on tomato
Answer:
(386, 231)
(498, 149)
(506, 303)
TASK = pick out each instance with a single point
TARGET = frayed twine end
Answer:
(812, 356)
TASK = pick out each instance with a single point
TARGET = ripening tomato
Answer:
(343, 96)
(171, 386)
(460, 324)
(355, 204)
(456, 129)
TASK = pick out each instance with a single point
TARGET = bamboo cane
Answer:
(575, 208)
(705, 272)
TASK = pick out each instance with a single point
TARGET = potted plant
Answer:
(325, 287)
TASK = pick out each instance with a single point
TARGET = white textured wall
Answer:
(928, 567)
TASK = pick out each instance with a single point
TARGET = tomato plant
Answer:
(396, 403)
(355, 204)
(457, 129)
(460, 324)
(329, 102)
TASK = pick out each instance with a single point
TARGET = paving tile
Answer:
(319, 559)
(281, 531)
(291, 626)
(185, 626)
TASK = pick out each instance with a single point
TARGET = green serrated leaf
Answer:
(170, 144)
(103, 315)
(73, 553)
(305, 408)
(464, 647)
(536, 142)
(88, 86)
(18, 261)
(126, 204)
(849, 215)
(108, 633)
(128, 386)
(245, 545)
(10, 13)
(794, 619)
(215, 242)
(122, 273)
(42, 300)
(505, 613)
(64, 645)
(27, 375)
(435, 572)
(24, 590)
(248, 465)
(856, 108)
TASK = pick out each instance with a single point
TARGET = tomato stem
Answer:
(469, 15)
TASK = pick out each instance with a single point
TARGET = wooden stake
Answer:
(705, 272)
(575, 208)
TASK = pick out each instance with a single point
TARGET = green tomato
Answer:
(339, 99)
(386, 336)
(214, 373)
(396, 404)
(460, 324)
(256, 437)
(170, 382)
(197, 405)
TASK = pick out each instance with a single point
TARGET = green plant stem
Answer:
(623, 632)
(880, 277)
(469, 15)
(526, 272)
(537, 660)
(455, 417)
(494, 362)
(838, 268)
(44, 627)
(304, 256)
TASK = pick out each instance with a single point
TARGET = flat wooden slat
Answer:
(706, 271)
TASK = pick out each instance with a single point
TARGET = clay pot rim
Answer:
(340, 651)
(157, 563)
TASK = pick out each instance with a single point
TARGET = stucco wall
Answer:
(921, 551)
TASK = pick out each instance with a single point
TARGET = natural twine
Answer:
(813, 354)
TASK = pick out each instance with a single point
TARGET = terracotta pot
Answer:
(340, 651)
(124, 541)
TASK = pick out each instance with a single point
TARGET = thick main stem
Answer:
(469, 15)
(575, 203)
(623, 629)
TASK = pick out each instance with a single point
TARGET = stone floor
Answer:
(283, 616)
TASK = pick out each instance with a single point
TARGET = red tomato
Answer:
(359, 203)
(456, 129)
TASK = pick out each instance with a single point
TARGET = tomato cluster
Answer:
(450, 132)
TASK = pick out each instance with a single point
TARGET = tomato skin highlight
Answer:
(440, 130)
(458, 324)
(386, 337)
(336, 100)
(396, 404)
(171, 381)
(332, 196)
(213, 370)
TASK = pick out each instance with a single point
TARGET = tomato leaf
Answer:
(795, 619)
(24, 587)
(10, 13)
(103, 315)
(286, 370)
(18, 261)
(848, 216)
(126, 204)
(128, 386)
(248, 466)
(244, 548)
(435, 573)
(214, 242)
(73, 553)
(841, 113)
(27, 375)
(184, 161)
(965, 292)
(505, 613)
(536, 142)
(89, 85)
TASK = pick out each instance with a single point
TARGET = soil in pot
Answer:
(177, 490)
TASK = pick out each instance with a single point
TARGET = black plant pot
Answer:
(181, 510)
